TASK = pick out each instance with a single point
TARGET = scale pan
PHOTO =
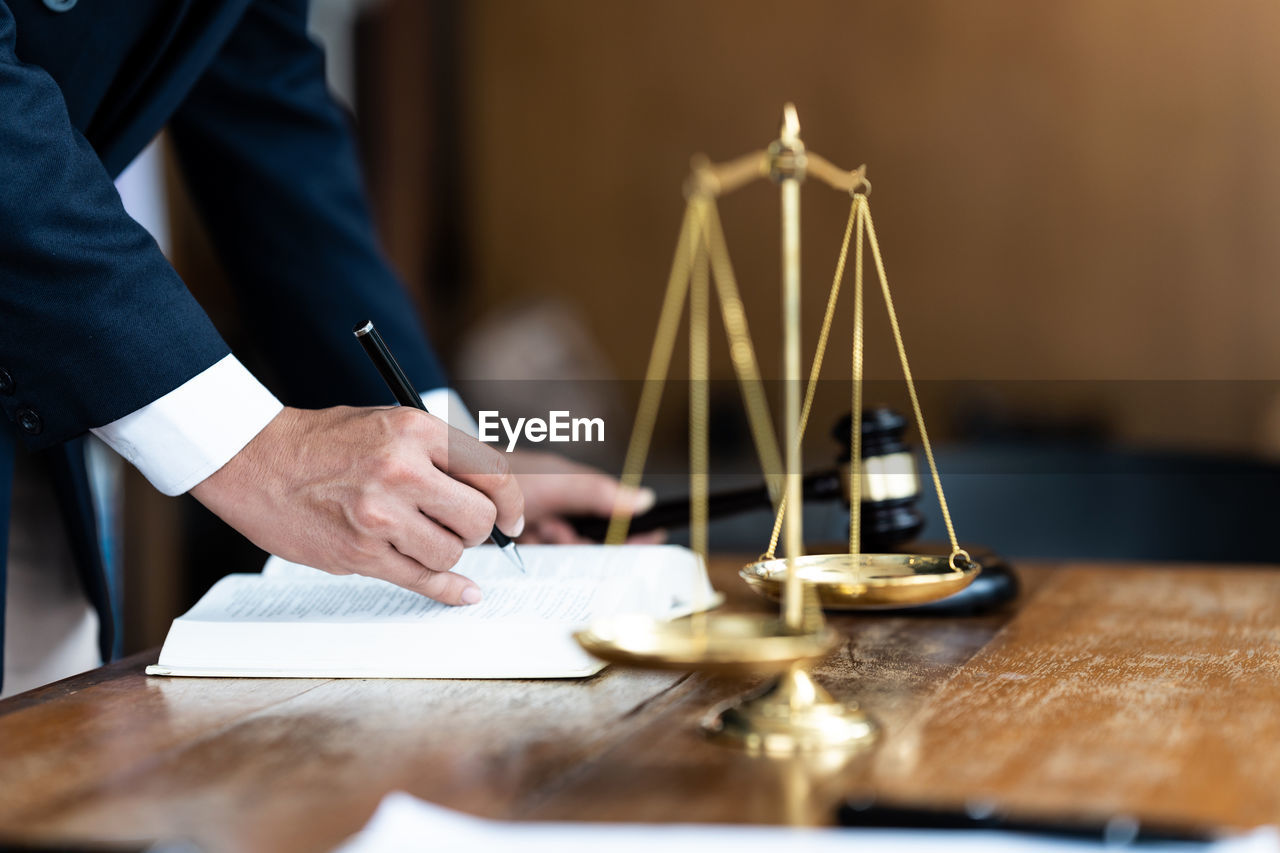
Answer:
(711, 642)
(865, 581)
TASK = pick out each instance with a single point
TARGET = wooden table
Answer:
(1151, 690)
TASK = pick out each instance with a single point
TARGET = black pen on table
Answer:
(406, 395)
(1114, 831)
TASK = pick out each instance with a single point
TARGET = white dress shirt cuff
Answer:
(446, 405)
(195, 429)
(186, 435)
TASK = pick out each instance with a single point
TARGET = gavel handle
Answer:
(822, 486)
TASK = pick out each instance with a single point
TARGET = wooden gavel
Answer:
(890, 489)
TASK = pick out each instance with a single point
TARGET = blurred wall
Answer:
(1064, 191)
(1077, 203)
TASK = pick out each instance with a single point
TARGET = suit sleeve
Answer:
(273, 169)
(94, 322)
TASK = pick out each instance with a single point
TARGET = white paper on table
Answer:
(405, 823)
(292, 621)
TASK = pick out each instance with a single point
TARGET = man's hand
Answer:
(554, 487)
(391, 493)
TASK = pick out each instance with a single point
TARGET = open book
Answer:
(292, 621)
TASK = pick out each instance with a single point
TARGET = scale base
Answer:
(793, 714)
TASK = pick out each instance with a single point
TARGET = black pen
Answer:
(1114, 831)
(406, 395)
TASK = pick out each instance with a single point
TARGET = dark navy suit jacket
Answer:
(94, 322)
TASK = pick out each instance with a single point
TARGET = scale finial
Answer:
(790, 123)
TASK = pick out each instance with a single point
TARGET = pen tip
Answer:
(515, 556)
(362, 329)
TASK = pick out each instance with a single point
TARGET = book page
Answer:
(327, 598)
(296, 621)
(487, 562)
(659, 580)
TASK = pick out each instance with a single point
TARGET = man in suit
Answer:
(98, 333)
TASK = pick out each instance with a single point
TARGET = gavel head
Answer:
(890, 483)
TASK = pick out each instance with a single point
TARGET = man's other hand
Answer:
(392, 493)
(555, 487)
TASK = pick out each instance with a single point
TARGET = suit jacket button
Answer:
(30, 421)
(6, 382)
(60, 5)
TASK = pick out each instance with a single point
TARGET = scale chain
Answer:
(855, 421)
(956, 550)
(860, 220)
(659, 363)
(743, 355)
(699, 403)
(815, 370)
(701, 246)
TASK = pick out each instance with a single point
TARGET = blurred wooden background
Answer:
(1077, 201)
(1071, 191)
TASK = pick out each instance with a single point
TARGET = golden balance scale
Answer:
(792, 713)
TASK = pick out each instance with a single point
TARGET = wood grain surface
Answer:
(1148, 690)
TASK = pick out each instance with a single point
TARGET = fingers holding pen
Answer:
(368, 490)
(359, 491)
(397, 542)
(465, 511)
(484, 469)
(421, 512)
(444, 586)
(468, 486)
(490, 476)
